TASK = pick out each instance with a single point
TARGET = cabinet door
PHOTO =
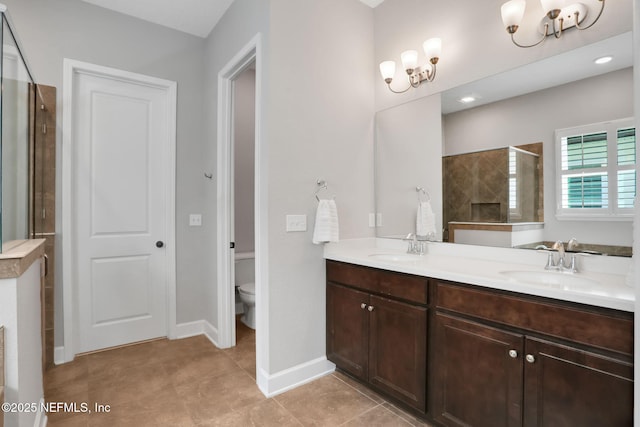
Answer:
(565, 386)
(347, 329)
(478, 381)
(398, 350)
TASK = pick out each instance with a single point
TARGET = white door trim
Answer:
(69, 276)
(252, 51)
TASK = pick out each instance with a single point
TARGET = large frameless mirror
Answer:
(509, 113)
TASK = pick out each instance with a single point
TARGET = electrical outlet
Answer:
(378, 220)
(296, 223)
(195, 220)
(372, 220)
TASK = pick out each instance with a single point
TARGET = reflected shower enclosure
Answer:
(17, 103)
(523, 180)
(493, 186)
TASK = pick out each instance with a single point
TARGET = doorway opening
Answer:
(243, 196)
(247, 60)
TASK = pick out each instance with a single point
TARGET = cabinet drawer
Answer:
(352, 275)
(405, 286)
(389, 283)
(605, 329)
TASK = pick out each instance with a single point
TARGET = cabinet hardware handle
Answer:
(513, 354)
(363, 306)
(530, 358)
(370, 308)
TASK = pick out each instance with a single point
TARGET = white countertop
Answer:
(484, 266)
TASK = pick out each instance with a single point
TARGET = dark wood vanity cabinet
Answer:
(496, 358)
(377, 329)
(492, 374)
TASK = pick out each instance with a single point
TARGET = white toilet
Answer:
(248, 297)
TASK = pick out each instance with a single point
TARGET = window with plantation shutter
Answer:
(596, 171)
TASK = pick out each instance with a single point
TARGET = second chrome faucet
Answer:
(561, 264)
(417, 247)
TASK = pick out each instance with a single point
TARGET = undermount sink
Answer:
(550, 278)
(399, 257)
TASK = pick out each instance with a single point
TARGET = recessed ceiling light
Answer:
(467, 99)
(603, 60)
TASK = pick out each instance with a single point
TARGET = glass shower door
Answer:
(15, 139)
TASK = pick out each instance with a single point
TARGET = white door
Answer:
(120, 151)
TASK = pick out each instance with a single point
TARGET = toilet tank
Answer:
(245, 271)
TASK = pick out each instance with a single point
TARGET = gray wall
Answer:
(320, 126)
(243, 157)
(51, 30)
(534, 118)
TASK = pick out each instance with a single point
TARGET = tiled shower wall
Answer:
(44, 201)
(476, 187)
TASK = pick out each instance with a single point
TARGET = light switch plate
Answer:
(195, 220)
(296, 223)
(378, 220)
(372, 220)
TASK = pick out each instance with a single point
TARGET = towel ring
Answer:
(322, 185)
(422, 192)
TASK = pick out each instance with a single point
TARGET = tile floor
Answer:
(190, 382)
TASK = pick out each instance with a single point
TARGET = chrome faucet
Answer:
(415, 246)
(560, 264)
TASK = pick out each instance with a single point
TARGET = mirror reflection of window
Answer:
(513, 188)
(597, 169)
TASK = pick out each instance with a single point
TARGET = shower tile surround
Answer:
(44, 202)
(477, 187)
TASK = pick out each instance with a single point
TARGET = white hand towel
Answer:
(326, 227)
(425, 221)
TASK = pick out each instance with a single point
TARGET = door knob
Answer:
(370, 308)
(530, 358)
(159, 244)
(513, 354)
(363, 305)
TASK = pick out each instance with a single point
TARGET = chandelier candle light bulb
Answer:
(388, 70)
(512, 14)
(409, 60)
(432, 49)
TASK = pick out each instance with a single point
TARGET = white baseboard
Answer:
(272, 385)
(58, 355)
(182, 330)
(199, 327)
